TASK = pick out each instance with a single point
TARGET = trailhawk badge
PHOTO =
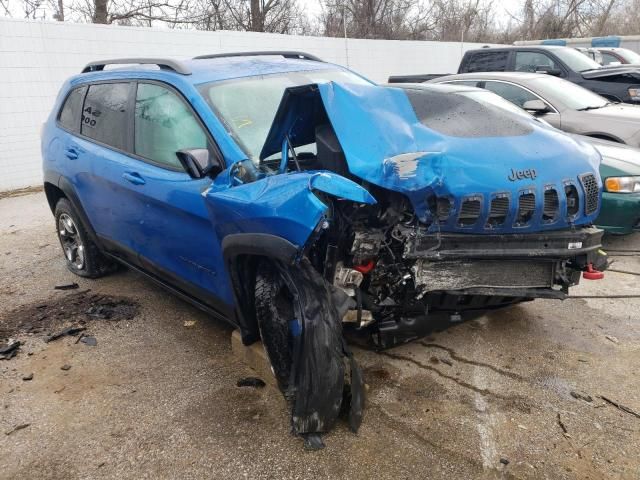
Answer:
(522, 174)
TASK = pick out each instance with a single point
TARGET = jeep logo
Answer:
(521, 174)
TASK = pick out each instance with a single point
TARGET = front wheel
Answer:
(82, 255)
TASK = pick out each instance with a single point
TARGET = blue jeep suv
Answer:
(293, 197)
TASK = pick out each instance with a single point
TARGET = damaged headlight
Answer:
(622, 184)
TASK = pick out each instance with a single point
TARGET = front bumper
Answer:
(541, 265)
(620, 213)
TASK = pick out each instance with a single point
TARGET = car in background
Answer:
(617, 84)
(593, 53)
(620, 168)
(563, 104)
(618, 56)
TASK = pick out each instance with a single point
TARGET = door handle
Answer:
(133, 177)
(71, 153)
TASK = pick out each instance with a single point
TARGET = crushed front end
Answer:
(476, 208)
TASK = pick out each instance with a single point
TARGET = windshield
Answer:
(248, 106)
(629, 55)
(573, 96)
(575, 60)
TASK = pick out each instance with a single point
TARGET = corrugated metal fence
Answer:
(36, 57)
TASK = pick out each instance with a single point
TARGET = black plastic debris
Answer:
(504, 461)
(65, 367)
(69, 331)
(318, 387)
(9, 350)
(89, 340)
(254, 382)
(68, 286)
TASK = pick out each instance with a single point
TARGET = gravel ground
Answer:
(518, 393)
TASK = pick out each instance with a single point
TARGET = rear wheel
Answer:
(82, 255)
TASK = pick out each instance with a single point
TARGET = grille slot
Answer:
(526, 208)
(551, 205)
(469, 212)
(499, 211)
(443, 209)
(591, 192)
(573, 200)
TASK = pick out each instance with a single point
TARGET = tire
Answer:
(81, 254)
(274, 311)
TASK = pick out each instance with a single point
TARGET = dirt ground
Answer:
(528, 392)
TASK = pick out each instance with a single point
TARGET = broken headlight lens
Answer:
(634, 93)
(622, 184)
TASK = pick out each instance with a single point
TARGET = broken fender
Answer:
(282, 205)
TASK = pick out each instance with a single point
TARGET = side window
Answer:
(466, 83)
(164, 124)
(607, 58)
(513, 93)
(69, 116)
(487, 62)
(104, 115)
(530, 61)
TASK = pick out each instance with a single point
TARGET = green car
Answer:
(620, 171)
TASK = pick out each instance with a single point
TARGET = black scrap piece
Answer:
(27, 377)
(68, 286)
(89, 340)
(64, 332)
(9, 350)
(317, 386)
(254, 382)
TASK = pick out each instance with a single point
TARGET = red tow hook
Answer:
(365, 267)
(592, 274)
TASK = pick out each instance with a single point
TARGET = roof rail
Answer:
(285, 54)
(163, 63)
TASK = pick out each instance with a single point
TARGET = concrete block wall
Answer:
(36, 57)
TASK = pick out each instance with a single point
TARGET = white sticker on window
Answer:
(575, 245)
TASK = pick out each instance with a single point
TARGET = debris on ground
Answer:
(67, 286)
(581, 396)
(189, 323)
(16, 428)
(89, 340)
(565, 431)
(64, 310)
(312, 441)
(9, 350)
(69, 331)
(620, 406)
(611, 338)
(65, 367)
(251, 382)
(27, 377)
(504, 461)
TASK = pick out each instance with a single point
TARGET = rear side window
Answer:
(104, 115)
(533, 62)
(487, 62)
(69, 117)
(164, 124)
(607, 59)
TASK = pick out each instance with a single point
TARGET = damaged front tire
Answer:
(299, 316)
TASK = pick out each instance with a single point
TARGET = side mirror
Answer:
(198, 163)
(556, 72)
(535, 107)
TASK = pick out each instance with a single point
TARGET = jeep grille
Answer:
(469, 212)
(526, 208)
(573, 200)
(551, 205)
(499, 211)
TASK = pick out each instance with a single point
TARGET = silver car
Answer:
(563, 104)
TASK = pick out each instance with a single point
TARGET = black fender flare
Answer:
(240, 251)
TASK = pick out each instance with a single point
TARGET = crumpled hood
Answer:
(422, 143)
(632, 70)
